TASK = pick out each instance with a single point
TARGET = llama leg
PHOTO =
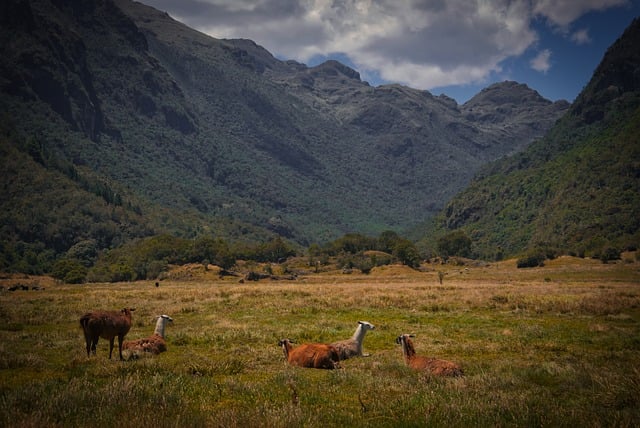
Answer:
(87, 341)
(120, 339)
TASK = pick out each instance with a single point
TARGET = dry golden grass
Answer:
(551, 346)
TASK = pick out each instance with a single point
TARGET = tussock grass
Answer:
(550, 346)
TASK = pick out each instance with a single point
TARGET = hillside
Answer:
(193, 135)
(576, 190)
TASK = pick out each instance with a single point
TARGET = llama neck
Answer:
(160, 327)
(286, 346)
(358, 336)
(408, 349)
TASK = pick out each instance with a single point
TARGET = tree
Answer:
(86, 252)
(456, 243)
(351, 243)
(532, 259)
(407, 253)
(387, 241)
(216, 250)
(274, 251)
(70, 271)
(609, 253)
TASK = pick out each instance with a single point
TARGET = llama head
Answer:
(366, 325)
(286, 346)
(283, 342)
(403, 338)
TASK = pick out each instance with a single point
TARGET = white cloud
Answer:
(541, 62)
(581, 37)
(563, 12)
(421, 43)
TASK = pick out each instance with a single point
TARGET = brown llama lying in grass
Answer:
(353, 347)
(154, 344)
(107, 325)
(432, 365)
(310, 355)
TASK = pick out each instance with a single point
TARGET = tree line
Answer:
(148, 258)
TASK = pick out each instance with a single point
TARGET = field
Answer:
(553, 346)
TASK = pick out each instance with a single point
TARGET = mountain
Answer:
(576, 190)
(186, 134)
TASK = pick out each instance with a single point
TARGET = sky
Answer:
(451, 47)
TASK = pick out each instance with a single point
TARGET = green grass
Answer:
(540, 347)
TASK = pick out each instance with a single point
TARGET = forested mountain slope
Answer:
(192, 135)
(576, 190)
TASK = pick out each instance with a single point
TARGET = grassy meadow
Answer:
(552, 346)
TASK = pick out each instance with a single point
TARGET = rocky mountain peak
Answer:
(617, 75)
(333, 68)
(507, 92)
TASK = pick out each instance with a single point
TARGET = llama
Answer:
(432, 365)
(154, 344)
(310, 355)
(107, 325)
(353, 347)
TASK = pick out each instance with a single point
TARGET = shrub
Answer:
(122, 272)
(456, 243)
(155, 268)
(351, 243)
(609, 253)
(77, 275)
(407, 253)
(531, 260)
(70, 271)
(112, 272)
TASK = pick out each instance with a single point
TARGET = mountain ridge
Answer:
(220, 132)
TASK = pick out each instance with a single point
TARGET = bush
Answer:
(122, 272)
(609, 253)
(407, 253)
(456, 243)
(531, 260)
(111, 272)
(70, 271)
(351, 243)
(76, 276)
(155, 268)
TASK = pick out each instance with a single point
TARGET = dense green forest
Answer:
(580, 202)
(575, 191)
(64, 220)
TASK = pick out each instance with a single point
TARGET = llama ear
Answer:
(360, 322)
(412, 335)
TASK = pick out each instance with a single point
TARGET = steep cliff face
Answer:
(617, 78)
(43, 60)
